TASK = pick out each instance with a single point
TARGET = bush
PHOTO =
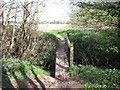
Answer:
(44, 49)
(98, 48)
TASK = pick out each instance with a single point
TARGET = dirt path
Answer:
(61, 80)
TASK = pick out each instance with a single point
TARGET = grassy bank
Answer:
(16, 73)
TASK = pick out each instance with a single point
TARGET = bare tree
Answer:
(7, 20)
(25, 14)
(29, 24)
(13, 45)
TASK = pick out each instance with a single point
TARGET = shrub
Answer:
(97, 48)
(44, 49)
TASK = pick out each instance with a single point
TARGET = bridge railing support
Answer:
(70, 51)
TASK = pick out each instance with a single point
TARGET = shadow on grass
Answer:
(87, 51)
(32, 84)
(39, 81)
(20, 82)
(6, 83)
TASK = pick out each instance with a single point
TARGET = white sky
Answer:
(55, 10)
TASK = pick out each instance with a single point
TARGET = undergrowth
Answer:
(94, 77)
(20, 69)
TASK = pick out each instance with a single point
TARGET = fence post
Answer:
(70, 51)
(71, 54)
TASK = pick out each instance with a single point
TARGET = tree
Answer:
(96, 14)
(19, 21)
(7, 20)
(13, 45)
(27, 25)
(1, 25)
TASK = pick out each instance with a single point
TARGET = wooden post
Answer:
(71, 54)
(53, 67)
(70, 51)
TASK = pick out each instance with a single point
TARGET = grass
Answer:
(62, 29)
(38, 70)
(98, 48)
(92, 44)
(70, 28)
(20, 69)
(48, 27)
(94, 77)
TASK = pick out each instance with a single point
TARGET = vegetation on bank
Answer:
(96, 47)
(37, 59)
(16, 70)
(96, 56)
(96, 51)
(40, 50)
(95, 77)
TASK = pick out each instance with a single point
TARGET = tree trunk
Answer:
(14, 45)
(25, 17)
(1, 26)
(7, 21)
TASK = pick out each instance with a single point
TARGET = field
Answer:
(47, 27)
